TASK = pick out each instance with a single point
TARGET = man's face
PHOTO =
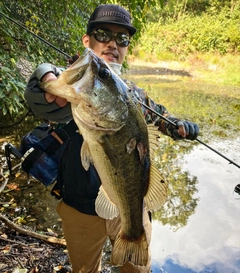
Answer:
(110, 52)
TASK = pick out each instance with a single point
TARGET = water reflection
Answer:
(209, 242)
(198, 231)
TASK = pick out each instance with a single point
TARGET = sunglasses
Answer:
(104, 36)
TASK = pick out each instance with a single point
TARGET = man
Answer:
(109, 31)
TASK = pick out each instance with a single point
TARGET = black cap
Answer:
(110, 14)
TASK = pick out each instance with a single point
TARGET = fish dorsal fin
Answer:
(85, 155)
(104, 207)
(153, 136)
(157, 190)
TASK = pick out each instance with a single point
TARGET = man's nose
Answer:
(112, 42)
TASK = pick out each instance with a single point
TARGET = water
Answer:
(210, 241)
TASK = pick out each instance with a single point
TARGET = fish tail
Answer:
(135, 252)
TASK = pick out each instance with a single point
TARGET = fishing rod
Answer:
(35, 35)
(144, 105)
(203, 143)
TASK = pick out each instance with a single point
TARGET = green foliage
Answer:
(174, 10)
(61, 24)
(11, 89)
(172, 28)
(12, 98)
(212, 33)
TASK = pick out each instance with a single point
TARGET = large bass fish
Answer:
(116, 141)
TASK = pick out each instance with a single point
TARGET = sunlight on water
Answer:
(210, 241)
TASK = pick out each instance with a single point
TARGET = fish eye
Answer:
(104, 73)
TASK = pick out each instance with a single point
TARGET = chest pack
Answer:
(40, 152)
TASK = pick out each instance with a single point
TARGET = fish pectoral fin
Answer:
(142, 151)
(135, 252)
(131, 145)
(157, 190)
(109, 151)
(104, 207)
(141, 146)
(86, 157)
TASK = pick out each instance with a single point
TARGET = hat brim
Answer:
(92, 25)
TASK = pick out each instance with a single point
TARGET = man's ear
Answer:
(85, 40)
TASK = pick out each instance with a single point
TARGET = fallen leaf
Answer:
(58, 268)
(4, 235)
(17, 174)
(19, 270)
(6, 249)
(13, 186)
(2, 266)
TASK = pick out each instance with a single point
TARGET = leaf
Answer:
(20, 270)
(6, 249)
(4, 236)
(17, 174)
(5, 69)
(21, 220)
(50, 230)
(2, 266)
(13, 61)
(13, 186)
(35, 17)
(58, 268)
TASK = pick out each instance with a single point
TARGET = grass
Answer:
(203, 89)
(212, 68)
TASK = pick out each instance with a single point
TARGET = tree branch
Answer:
(21, 230)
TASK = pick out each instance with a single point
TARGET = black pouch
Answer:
(41, 150)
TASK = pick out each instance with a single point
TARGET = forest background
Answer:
(187, 31)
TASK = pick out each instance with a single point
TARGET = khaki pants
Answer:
(86, 235)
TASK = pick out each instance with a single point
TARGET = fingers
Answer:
(49, 97)
(191, 129)
(61, 102)
(48, 77)
(187, 130)
(182, 131)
